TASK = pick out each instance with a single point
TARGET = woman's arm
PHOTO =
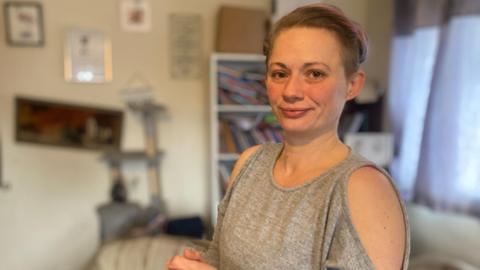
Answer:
(193, 259)
(377, 216)
(240, 162)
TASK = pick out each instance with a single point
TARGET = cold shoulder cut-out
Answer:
(262, 225)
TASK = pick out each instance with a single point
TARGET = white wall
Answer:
(355, 10)
(379, 24)
(47, 217)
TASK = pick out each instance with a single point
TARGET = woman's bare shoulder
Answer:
(377, 216)
(239, 164)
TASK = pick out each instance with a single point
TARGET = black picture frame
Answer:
(68, 125)
(24, 24)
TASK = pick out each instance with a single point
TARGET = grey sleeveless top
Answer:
(264, 226)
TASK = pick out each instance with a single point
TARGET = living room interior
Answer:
(167, 153)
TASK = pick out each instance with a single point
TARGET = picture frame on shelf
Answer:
(24, 24)
(88, 56)
(68, 125)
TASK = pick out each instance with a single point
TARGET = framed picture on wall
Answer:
(88, 56)
(62, 124)
(23, 23)
(135, 16)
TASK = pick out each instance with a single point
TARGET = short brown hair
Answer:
(349, 33)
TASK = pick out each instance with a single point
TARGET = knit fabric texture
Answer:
(262, 225)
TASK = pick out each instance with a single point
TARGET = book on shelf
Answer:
(236, 135)
(224, 171)
(237, 86)
(223, 69)
(239, 98)
(227, 144)
(268, 133)
(224, 98)
(253, 75)
(239, 137)
(250, 139)
(224, 174)
(259, 136)
(240, 87)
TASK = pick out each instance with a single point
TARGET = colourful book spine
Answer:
(228, 138)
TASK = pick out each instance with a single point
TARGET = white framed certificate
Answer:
(88, 57)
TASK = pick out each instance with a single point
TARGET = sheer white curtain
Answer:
(411, 73)
(434, 105)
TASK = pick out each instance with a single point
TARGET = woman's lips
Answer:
(293, 113)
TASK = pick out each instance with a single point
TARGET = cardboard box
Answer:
(241, 30)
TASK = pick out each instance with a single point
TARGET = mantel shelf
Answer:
(135, 155)
(146, 107)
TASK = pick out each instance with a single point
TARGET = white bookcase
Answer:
(225, 106)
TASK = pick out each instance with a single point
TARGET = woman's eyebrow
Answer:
(282, 65)
(304, 66)
(309, 64)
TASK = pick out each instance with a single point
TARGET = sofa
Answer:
(439, 241)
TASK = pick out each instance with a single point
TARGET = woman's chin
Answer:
(305, 132)
(297, 132)
(296, 126)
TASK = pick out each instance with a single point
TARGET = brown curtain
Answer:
(412, 14)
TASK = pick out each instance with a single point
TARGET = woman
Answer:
(309, 203)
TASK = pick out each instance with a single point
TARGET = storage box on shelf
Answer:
(240, 115)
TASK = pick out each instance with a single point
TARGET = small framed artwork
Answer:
(69, 125)
(88, 57)
(135, 16)
(24, 23)
(185, 40)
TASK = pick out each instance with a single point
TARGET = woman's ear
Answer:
(355, 84)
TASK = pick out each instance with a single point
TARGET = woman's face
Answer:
(306, 82)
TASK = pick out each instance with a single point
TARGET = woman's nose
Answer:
(293, 90)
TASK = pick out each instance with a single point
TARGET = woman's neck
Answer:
(316, 154)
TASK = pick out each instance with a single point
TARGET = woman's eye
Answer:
(278, 74)
(315, 74)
